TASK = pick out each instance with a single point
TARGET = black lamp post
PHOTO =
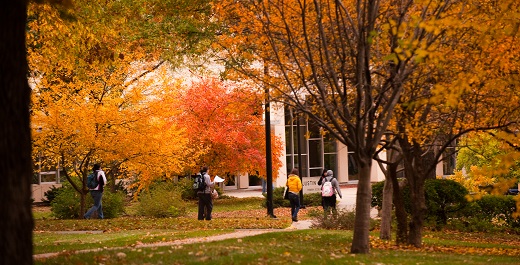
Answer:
(268, 156)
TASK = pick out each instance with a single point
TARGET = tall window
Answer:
(293, 147)
(317, 151)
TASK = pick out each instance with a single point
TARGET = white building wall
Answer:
(278, 125)
(38, 190)
(342, 156)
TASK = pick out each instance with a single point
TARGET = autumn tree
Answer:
(224, 124)
(100, 80)
(344, 64)
(461, 88)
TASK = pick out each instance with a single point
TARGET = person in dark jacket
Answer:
(97, 193)
(205, 199)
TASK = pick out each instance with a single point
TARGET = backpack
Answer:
(92, 180)
(327, 190)
(199, 183)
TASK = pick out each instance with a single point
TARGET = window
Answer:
(317, 152)
(292, 138)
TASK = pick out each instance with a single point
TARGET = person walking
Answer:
(329, 197)
(294, 186)
(323, 175)
(97, 193)
(205, 199)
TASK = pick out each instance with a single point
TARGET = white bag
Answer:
(327, 190)
(214, 194)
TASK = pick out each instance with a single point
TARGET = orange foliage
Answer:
(224, 123)
(101, 94)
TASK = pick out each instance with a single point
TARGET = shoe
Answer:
(295, 220)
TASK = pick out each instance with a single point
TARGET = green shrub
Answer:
(377, 194)
(185, 187)
(113, 203)
(162, 200)
(443, 198)
(66, 204)
(471, 224)
(50, 194)
(312, 199)
(497, 210)
(278, 200)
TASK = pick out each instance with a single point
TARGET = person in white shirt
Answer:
(97, 193)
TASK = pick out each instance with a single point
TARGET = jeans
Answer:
(329, 204)
(96, 196)
(294, 199)
(205, 206)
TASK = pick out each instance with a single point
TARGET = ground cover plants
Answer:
(132, 239)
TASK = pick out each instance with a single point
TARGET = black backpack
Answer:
(199, 184)
(92, 180)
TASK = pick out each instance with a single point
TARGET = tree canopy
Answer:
(362, 69)
(104, 90)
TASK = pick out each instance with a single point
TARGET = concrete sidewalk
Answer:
(348, 202)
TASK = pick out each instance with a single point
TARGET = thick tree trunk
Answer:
(15, 138)
(400, 213)
(416, 177)
(360, 242)
(418, 212)
(386, 211)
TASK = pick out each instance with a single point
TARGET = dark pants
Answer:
(329, 204)
(294, 199)
(97, 197)
(205, 206)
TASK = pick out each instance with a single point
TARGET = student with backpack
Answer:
(95, 182)
(329, 189)
(294, 186)
(204, 194)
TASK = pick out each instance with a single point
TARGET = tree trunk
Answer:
(386, 211)
(416, 177)
(15, 138)
(400, 213)
(418, 202)
(360, 242)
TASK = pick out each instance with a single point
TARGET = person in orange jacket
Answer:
(294, 186)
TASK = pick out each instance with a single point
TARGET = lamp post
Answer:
(268, 156)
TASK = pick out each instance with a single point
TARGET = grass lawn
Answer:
(120, 242)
